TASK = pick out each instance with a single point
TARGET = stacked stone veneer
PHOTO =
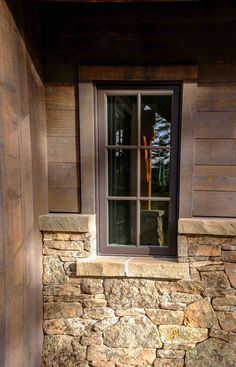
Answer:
(127, 321)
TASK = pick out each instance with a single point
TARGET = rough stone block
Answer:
(204, 250)
(59, 310)
(168, 362)
(227, 321)
(175, 334)
(165, 317)
(229, 256)
(200, 314)
(53, 271)
(230, 270)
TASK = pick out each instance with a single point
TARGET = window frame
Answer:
(89, 77)
(173, 89)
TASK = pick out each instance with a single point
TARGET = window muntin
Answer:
(138, 138)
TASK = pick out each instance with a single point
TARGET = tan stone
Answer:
(94, 302)
(182, 246)
(133, 356)
(229, 256)
(230, 270)
(47, 236)
(210, 267)
(132, 331)
(57, 351)
(53, 271)
(165, 317)
(74, 326)
(200, 314)
(204, 250)
(212, 352)
(100, 267)
(131, 293)
(161, 362)
(223, 335)
(180, 297)
(102, 364)
(61, 290)
(194, 274)
(105, 323)
(172, 306)
(184, 286)
(98, 313)
(170, 353)
(217, 227)
(175, 334)
(130, 312)
(58, 310)
(67, 222)
(66, 255)
(64, 245)
(227, 320)
(227, 303)
(153, 268)
(92, 286)
(92, 338)
(215, 283)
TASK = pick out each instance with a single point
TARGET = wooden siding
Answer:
(23, 197)
(62, 140)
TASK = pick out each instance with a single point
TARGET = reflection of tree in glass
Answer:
(161, 158)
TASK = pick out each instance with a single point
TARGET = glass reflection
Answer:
(122, 120)
(154, 223)
(122, 222)
(155, 117)
(122, 173)
(155, 172)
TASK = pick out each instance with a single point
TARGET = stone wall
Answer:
(161, 319)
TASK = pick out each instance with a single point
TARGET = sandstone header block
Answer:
(67, 223)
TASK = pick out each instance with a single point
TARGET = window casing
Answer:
(137, 169)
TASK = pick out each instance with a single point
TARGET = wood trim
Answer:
(187, 150)
(87, 147)
(175, 73)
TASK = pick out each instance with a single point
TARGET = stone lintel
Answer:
(207, 226)
(67, 222)
(132, 268)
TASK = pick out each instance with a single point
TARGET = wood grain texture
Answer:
(62, 149)
(63, 174)
(22, 130)
(215, 125)
(217, 97)
(61, 122)
(187, 150)
(215, 178)
(138, 73)
(63, 199)
(215, 152)
(214, 204)
(60, 97)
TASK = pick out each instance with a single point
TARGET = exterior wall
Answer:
(172, 320)
(23, 197)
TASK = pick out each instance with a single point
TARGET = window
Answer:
(137, 143)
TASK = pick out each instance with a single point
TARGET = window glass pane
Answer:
(122, 222)
(122, 172)
(155, 172)
(155, 120)
(154, 223)
(122, 120)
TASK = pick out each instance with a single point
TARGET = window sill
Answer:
(130, 267)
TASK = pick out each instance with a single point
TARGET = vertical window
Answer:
(137, 170)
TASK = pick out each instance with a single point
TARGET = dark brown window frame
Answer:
(89, 77)
(102, 166)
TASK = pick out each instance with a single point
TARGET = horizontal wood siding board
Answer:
(215, 178)
(60, 97)
(62, 149)
(217, 71)
(214, 204)
(63, 174)
(138, 73)
(215, 125)
(215, 152)
(216, 97)
(64, 199)
(61, 122)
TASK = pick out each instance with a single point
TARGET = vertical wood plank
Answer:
(187, 150)
(87, 150)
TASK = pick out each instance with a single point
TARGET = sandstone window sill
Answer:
(67, 222)
(207, 226)
(129, 267)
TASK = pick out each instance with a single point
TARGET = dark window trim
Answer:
(105, 249)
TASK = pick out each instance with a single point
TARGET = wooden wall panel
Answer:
(62, 142)
(214, 204)
(215, 125)
(216, 97)
(215, 151)
(23, 196)
(217, 178)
